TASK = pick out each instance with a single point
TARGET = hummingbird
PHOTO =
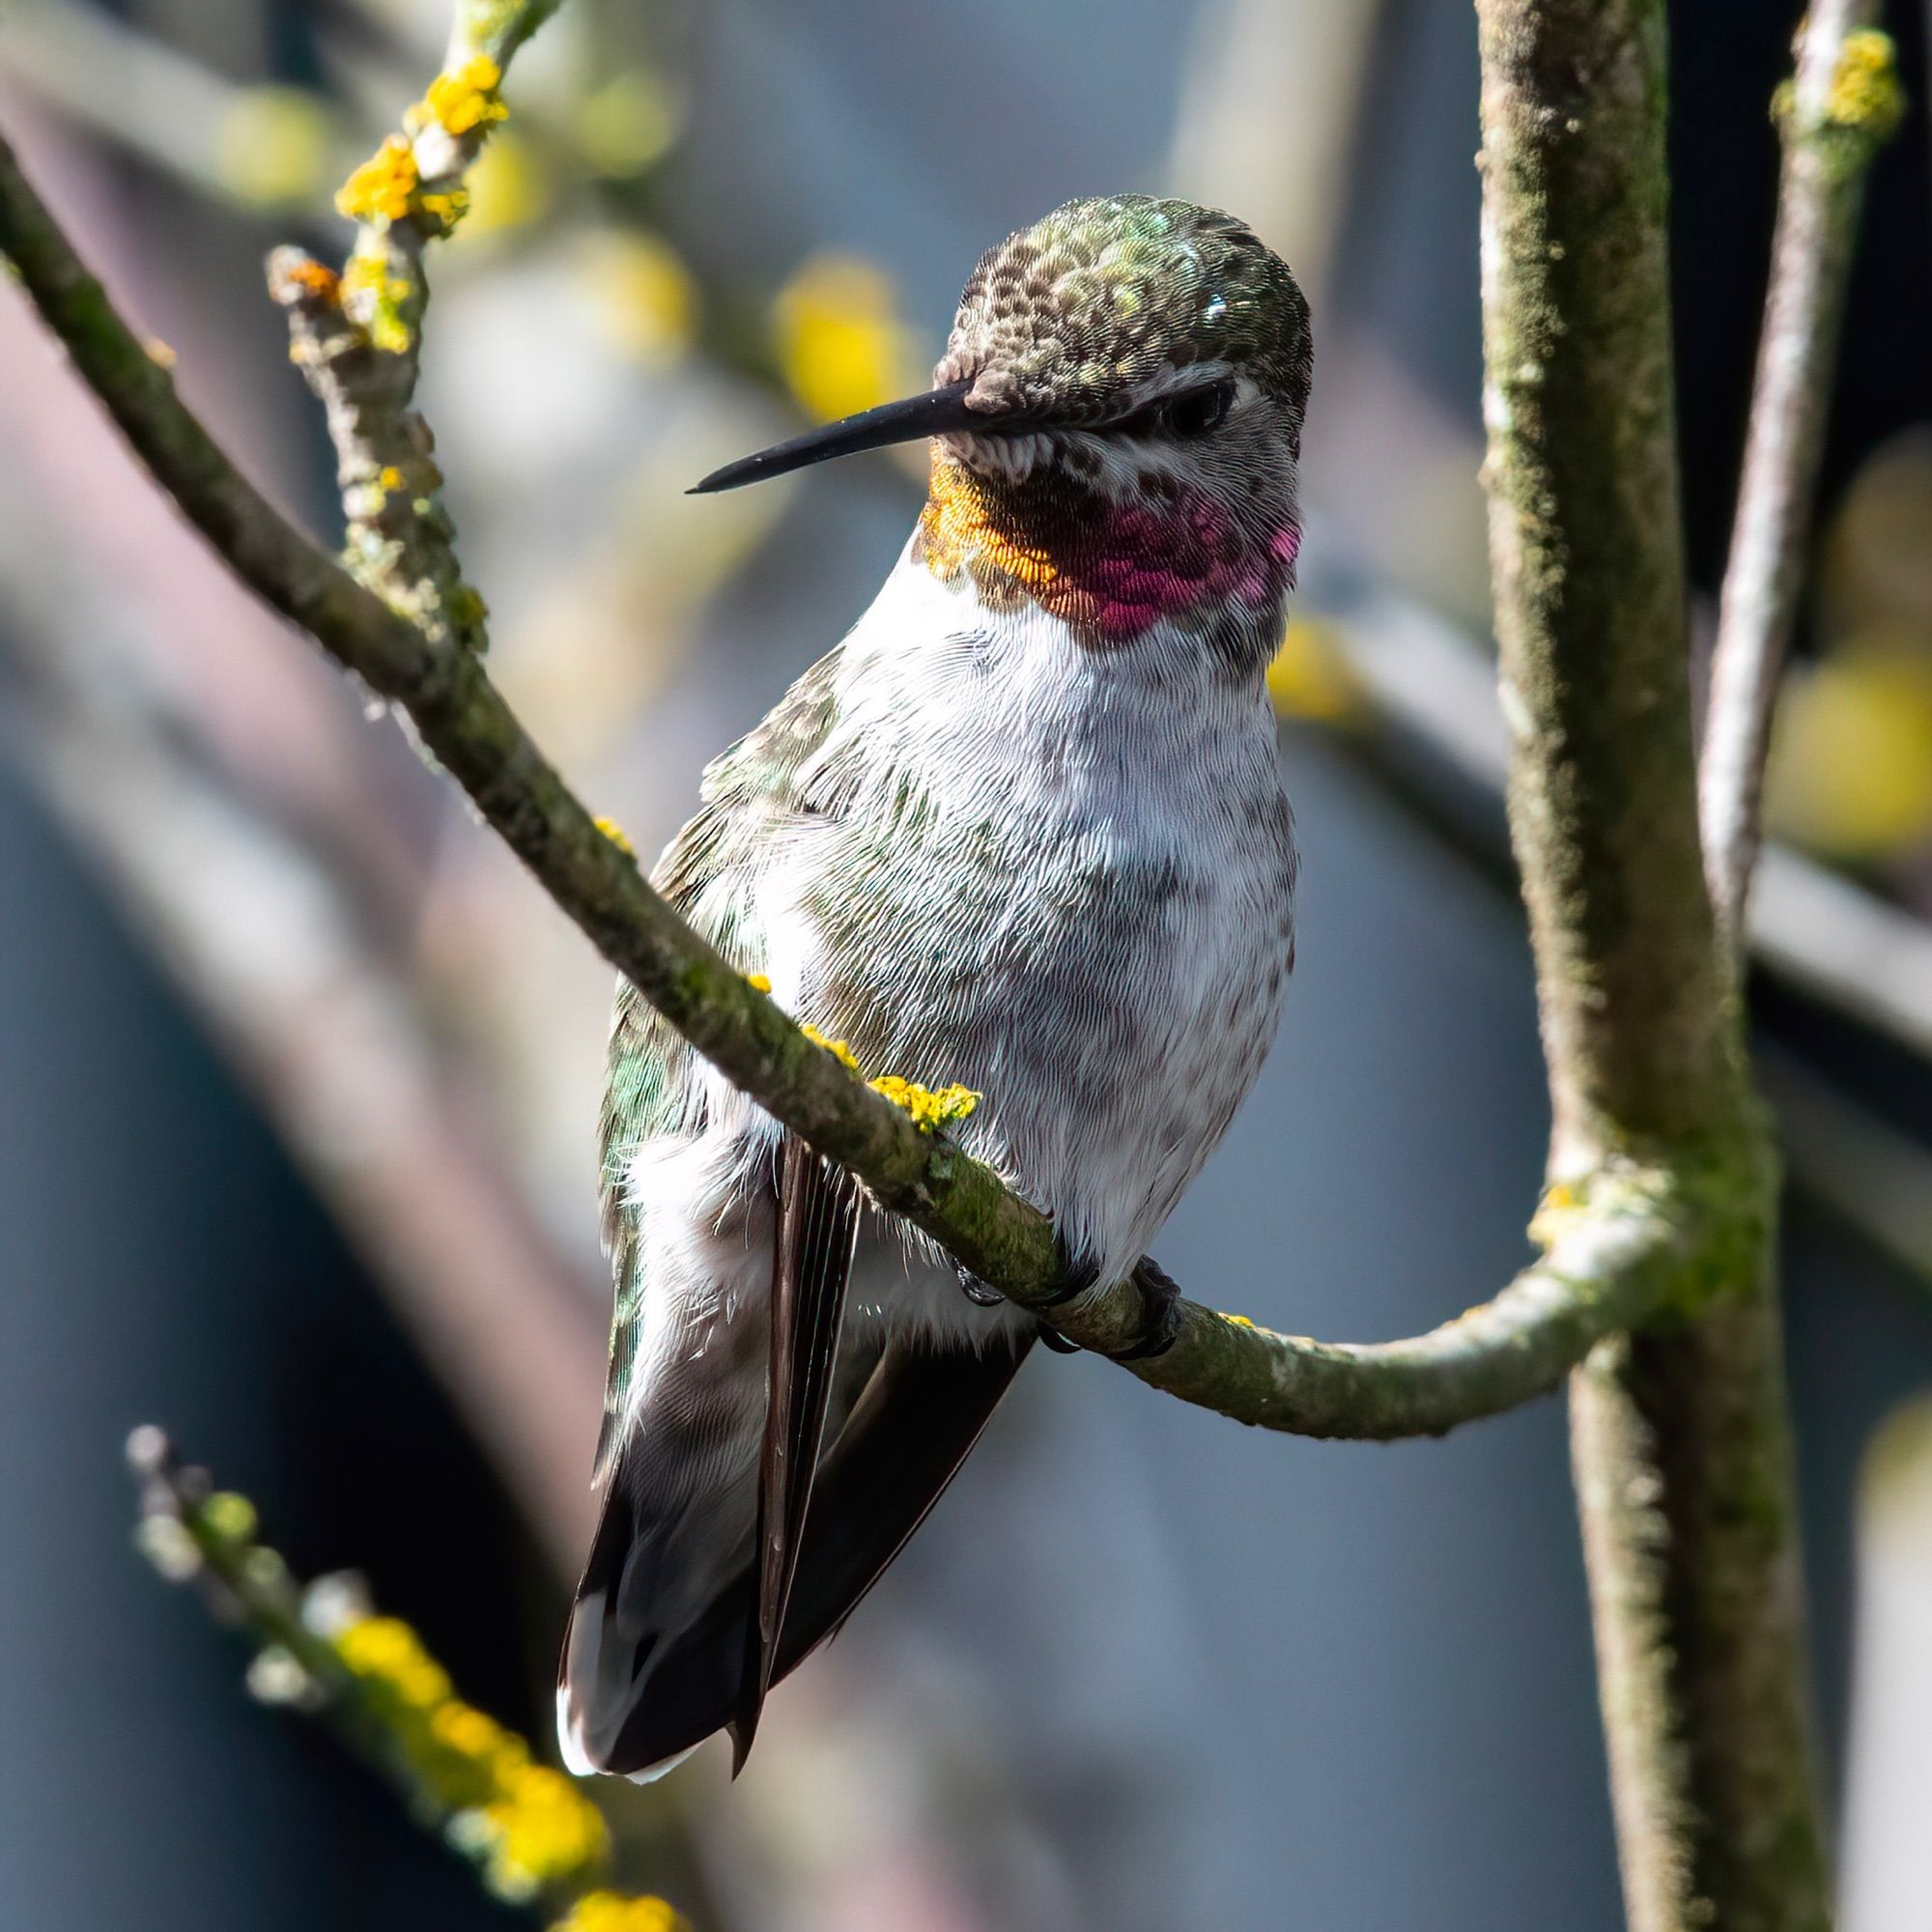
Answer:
(1023, 833)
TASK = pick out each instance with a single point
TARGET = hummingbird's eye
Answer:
(1197, 411)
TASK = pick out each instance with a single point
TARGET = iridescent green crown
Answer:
(1068, 316)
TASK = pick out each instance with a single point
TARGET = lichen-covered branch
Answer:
(535, 1838)
(1474, 1366)
(358, 336)
(1838, 110)
(1681, 1437)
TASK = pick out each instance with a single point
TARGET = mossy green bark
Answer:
(1681, 1452)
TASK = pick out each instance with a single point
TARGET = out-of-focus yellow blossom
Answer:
(528, 1827)
(609, 1912)
(273, 145)
(509, 186)
(1310, 678)
(646, 301)
(379, 191)
(231, 1516)
(626, 124)
(841, 342)
(394, 1667)
(539, 1832)
(462, 100)
(1851, 764)
(930, 1108)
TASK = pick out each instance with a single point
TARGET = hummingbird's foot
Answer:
(976, 1291)
(1160, 1312)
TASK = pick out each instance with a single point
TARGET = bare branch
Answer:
(1679, 1434)
(533, 1835)
(1842, 105)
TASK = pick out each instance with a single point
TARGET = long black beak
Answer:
(905, 421)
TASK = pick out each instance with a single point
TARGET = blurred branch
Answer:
(1679, 1434)
(1835, 114)
(1516, 1351)
(264, 147)
(266, 941)
(1431, 702)
(535, 1838)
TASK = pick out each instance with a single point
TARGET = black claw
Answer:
(1078, 1272)
(976, 1291)
(1160, 1308)
(1056, 1341)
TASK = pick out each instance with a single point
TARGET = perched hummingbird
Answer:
(1023, 830)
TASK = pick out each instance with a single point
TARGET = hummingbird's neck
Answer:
(1112, 568)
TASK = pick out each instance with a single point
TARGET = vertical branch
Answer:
(1680, 1434)
(1589, 575)
(1835, 114)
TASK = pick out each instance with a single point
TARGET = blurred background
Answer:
(298, 1072)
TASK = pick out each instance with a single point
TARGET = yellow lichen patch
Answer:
(389, 476)
(539, 1832)
(612, 1912)
(161, 354)
(617, 835)
(460, 102)
(836, 1048)
(1865, 94)
(1561, 1202)
(394, 1667)
(379, 191)
(445, 207)
(378, 297)
(528, 1827)
(230, 1516)
(759, 982)
(930, 1108)
(1238, 1321)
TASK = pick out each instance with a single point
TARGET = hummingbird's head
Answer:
(1115, 421)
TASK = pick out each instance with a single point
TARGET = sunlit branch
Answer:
(1835, 114)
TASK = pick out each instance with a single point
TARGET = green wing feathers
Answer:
(651, 1091)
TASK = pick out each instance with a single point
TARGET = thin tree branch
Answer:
(532, 1835)
(1836, 113)
(1516, 1349)
(1680, 1434)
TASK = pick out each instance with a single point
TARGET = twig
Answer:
(1215, 1361)
(1680, 1434)
(1836, 113)
(533, 1836)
